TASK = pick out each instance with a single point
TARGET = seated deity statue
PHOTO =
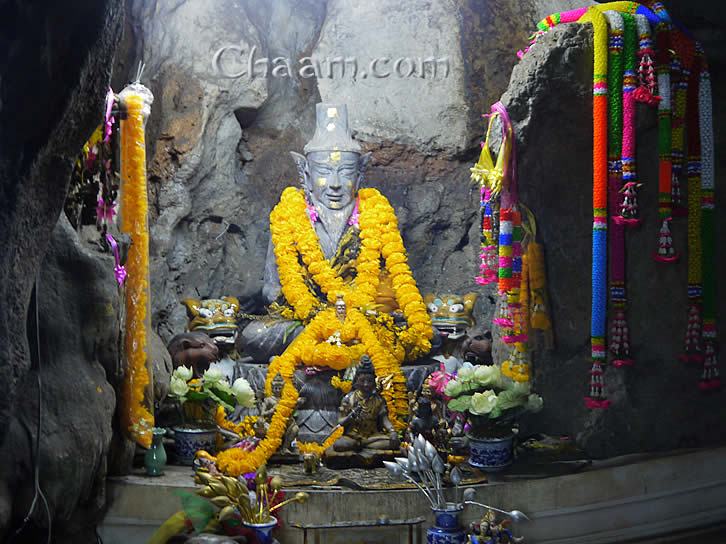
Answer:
(363, 415)
(339, 286)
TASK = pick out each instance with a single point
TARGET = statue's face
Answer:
(366, 383)
(333, 177)
(277, 388)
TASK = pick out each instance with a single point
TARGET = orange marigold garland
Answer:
(138, 420)
(326, 340)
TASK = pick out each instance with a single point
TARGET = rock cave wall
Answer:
(55, 66)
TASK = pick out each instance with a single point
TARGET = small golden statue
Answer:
(364, 416)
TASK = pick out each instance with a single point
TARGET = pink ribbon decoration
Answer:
(105, 211)
(355, 216)
(119, 270)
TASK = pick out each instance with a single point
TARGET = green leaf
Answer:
(460, 404)
(219, 400)
(290, 330)
(509, 399)
(197, 395)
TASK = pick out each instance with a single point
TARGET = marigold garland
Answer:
(244, 428)
(138, 420)
(325, 340)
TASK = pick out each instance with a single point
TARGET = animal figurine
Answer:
(193, 349)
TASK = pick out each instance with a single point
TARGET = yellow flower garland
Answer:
(138, 420)
(294, 240)
(244, 428)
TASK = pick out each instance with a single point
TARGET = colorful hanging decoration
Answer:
(665, 251)
(693, 352)
(138, 419)
(710, 378)
(671, 85)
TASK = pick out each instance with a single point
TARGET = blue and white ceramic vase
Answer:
(263, 531)
(189, 440)
(155, 456)
(491, 454)
(446, 529)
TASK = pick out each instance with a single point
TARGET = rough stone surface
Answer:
(656, 404)
(78, 308)
(55, 59)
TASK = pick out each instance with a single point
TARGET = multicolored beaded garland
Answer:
(621, 172)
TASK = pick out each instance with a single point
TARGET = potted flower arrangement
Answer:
(492, 403)
(199, 399)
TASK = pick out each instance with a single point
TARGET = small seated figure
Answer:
(269, 405)
(364, 416)
(424, 421)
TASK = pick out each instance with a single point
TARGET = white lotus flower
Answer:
(178, 387)
(453, 389)
(243, 392)
(487, 375)
(483, 403)
(183, 373)
(466, 372)
(213, 375)
(223, 386)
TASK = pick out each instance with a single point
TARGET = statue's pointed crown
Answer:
(332, 132)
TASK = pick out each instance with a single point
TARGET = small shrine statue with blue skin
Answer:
(489, 531)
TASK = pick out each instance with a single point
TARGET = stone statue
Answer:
(330, 171)
(317, 406)
(364, 416)
(269, 404)
(424, 421)
(217, 317)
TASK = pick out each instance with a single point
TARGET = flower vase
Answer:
(188, 440)
(155, 456)
(446, 529)
(491, 454)
(263, 531)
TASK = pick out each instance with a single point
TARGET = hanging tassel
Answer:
(505, 314)
(596, 399)
(620, 340)
(629, 207)
(694, 340)
(646, 91)
(665, 253)
(710, 378)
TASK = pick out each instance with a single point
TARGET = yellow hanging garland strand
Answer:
(138, 420)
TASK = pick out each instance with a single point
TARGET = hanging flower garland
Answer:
(693, 342)
(710, 378)
(138, 420)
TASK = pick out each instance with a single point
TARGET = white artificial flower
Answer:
(453, 389)
(183, 373)
(486, 375)
(466, 372)
(212, 375)
(178, 387)
(520, 388)
(534, 403)
(223, 386)
(243, 392)
(483, 403)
